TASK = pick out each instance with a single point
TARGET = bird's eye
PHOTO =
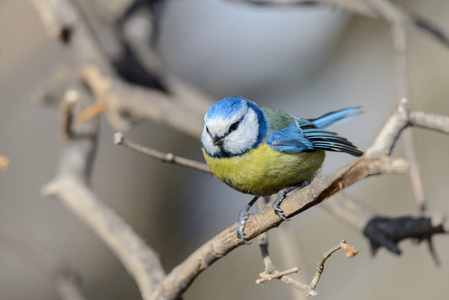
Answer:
(234, 126)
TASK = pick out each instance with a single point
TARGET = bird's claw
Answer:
(277, 205)
(278, 210)
(242, 236)
(241, 226)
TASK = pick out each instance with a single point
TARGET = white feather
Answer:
(236, 142)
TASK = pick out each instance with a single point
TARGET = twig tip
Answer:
(50, 189)
(350, 250)
(119, 137)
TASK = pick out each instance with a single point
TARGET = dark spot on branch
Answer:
(66, 35)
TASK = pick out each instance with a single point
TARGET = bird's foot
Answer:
(243, 216)
(277, 204)
(281, 196)
(241, 227)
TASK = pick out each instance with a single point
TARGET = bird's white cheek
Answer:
(244, 138)
(208, 144)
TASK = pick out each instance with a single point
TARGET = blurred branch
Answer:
(385, 10)
(65, 279)
(271, 272)
(119, 139)
(70, 186)
(353, 212)
(126, 104)
(400, 46)
(133, 103)
(284, 242)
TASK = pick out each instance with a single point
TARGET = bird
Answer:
(262, 151)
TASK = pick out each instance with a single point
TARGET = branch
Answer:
(310, 288)
(65, 279)
(271, 272)
(119, 139)
(71, 188)
(375, 161)
(126, 104)
(183, 275)
(350, 252)
(353, 212)
(385, 10)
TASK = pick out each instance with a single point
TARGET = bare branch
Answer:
(310, 288)
(385, 10)
(270, 271)
(277, 275)
(350, 252)
(126, 104)
(349, 210)
(65, 279)
(182, 276)
(374, 162)
(119, 139)
(71, 187)
(400, 46)
(433, 122)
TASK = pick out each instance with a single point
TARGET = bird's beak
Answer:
(218, 141)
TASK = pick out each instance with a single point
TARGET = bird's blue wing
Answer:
(290, 140)
(303, 136)
(335, 117)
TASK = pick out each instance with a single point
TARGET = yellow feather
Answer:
(263, 171)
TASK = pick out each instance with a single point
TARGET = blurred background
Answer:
(307, 61)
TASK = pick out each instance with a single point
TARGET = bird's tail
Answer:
(336, 117)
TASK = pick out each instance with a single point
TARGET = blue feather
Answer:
(309, 136)
(336, 117)
(290, 140)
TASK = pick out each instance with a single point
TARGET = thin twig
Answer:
(120, 139)
(310, 288)
(271, 272)
(349, 210)
(400, 46)
(262, 241)
(351, 251)
(278, 3)
(277, 275)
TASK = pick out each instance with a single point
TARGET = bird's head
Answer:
(233, 126)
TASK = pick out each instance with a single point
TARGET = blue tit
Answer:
(262, 151)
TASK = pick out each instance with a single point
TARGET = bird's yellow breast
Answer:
(263, 171)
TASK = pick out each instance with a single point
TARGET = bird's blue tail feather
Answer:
(336, 117)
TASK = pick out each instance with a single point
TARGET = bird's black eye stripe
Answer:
(234, 126)
(207, 130)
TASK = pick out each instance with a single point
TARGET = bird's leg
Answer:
(243, 216)
(281, 196)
